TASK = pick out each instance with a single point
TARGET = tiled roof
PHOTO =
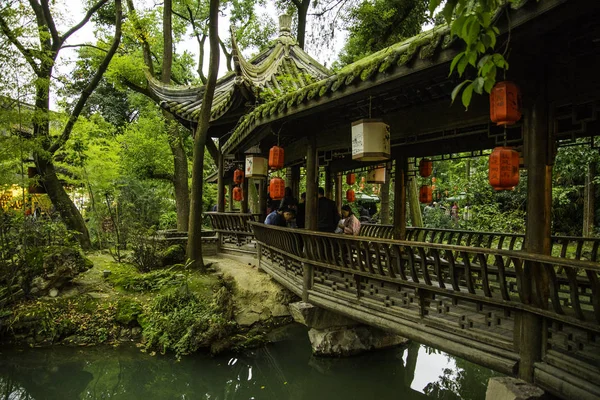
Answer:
(384, 62)
(282, 67)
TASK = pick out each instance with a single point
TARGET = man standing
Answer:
(328, 216)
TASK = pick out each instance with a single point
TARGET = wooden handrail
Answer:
(491, 276)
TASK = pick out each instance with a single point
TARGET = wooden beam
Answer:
(400, 198)
(312, 184)
(535, 282)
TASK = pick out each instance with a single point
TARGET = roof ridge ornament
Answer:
(285, 25)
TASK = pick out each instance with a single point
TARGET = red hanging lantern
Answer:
(277, 188)
(504, 168)
(350, 179)
(505, 103)
(350, 196)
(238, 176)
(276, 157)
(238, 193)
(425, 167)
(425, 195)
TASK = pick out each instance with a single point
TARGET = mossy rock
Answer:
(128, 311)
(172, 255)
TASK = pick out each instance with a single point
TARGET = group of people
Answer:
(291, 212)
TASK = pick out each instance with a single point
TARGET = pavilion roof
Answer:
(393, 62)
(282, 67)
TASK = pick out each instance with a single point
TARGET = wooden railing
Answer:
(234, 230)
(458, 298)
(572, 247)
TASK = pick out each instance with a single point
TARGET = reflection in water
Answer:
(284, 370)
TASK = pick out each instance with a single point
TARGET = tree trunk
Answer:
(302, 12)
(180, 176)
(194, 246)
(589, 201)
(61, 201)
(416, 217)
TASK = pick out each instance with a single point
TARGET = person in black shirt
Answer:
(328, 217)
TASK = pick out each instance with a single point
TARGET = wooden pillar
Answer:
(413, 202)
(400, 198)
(244, 202)
(221, 183)
(230, 197)
(312, 184)
(588, 201)
(339, 193)
(296, 181)
(262, 198)
(310, 221)
(328, 183)
(534, 285)
(384, 213)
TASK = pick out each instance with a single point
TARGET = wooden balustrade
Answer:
(461, 299)
(234, 230)
(572, 247)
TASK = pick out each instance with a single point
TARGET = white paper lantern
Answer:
(370, 140)
(256, 167)
(376, 175)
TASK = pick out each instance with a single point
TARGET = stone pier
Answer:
(332, 334)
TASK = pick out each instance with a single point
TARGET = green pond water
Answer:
(281, 370)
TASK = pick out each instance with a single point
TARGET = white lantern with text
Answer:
(256, 167)
(376, 175)
(370, 140)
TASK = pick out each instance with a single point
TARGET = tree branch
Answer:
(84, 21)
(228, 56)
(93, 82)
(84, 45)
(142, 35)
(50, 24)
(22, 49)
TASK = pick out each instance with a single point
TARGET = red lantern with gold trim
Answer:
(350, 179)
(425, 167)
(350, 196)
(504, 168)
(505, 103)
(425, 195)
(276, 157)
(238, 176)
(238, 193)
(277, 188)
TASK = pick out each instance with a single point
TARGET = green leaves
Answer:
(471, 21)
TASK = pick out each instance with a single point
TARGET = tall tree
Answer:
(41, 55)
(374, 25)
(194, 246)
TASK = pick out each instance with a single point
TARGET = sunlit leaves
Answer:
(472, 22)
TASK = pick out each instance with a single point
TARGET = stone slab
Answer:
(318, 318)
(507, 388)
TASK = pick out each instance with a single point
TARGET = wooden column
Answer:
(221, 183)
(339, 193)
(244, 202)
(312, 183)
(534, 284)
(384, 213)
(295, 184)
(262, 198)
(230, 197)
(400, 198)
(328, 183)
